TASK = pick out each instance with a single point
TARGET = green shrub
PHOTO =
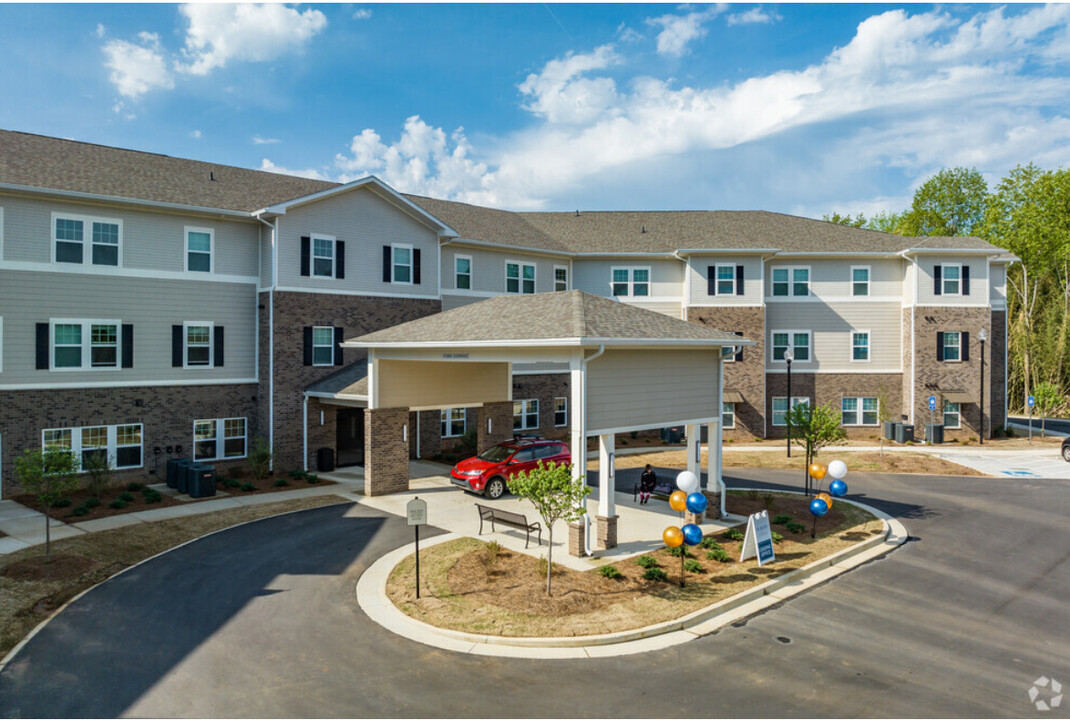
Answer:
(80, 510)
(97, 472)
(491, 551)
(681, 551)
(126, 497)
(609, 571)
(282, 482)
(734, 534)
(312, 479)
(260, 458)
(117, 504)
(62, 502)
(646, 561)
(719, 554)
(654, 573)
(782, 519)
(693, 566)
(152, 496)
(1009, 431)
(708, 543)
(298, 474)
(135, 486)
(248, 487)
(795, 527)
(89, 502)
(777, 537)
(231, 483)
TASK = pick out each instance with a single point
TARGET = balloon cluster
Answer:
(822, 503)
(686, 498)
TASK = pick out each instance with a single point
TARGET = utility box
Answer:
(671, 435)
(182, 475)
(889, 429)
(201, 480)
(325, 459)
(934, 434)
(176, 467)
(904, 433)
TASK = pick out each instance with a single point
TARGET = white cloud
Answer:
(218, 33)
(196, 134)
(678, 31)
(311, 173)
(362, 14)
(560, 94)
(257, 140)
(137, 68)
(753, 16)
(629, 35)
(100, 31)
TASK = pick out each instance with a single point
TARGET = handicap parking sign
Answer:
(1032, 401)
(932, 402)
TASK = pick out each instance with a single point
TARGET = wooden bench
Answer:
(663, 487)
(512, 519)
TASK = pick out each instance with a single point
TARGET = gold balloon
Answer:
(678, 501)
(673, 536)
(827, 498)
(817, 471)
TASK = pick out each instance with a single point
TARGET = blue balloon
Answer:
(696, 502)
(692, 534)
(837, 488)
(819, 507)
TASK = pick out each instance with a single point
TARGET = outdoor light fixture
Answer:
(405, 432)
(789, 355)
(982, 336)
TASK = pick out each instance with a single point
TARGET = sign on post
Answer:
(416, 514)
(759, 539)
(1032, 401)
(932, 402)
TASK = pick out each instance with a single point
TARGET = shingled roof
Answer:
(573, 317)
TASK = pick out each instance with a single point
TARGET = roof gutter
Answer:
(908, 252)
(726, 251)
(504, 247)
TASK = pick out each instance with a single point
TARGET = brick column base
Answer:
(386, 453)
(607, 532)
(501, 417)
(576, 539)
(713, 508)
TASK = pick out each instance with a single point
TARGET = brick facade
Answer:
(501, 416)
(998, 370)
(166, 414)
(544, 388)
(748, 375)
(386, 452)
(577, 538)
(824, 388)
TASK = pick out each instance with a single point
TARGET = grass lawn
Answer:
(478, 587)
(31, 589)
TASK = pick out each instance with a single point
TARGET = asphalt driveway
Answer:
(262, 620)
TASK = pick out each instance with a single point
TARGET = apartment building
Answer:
(153, 306)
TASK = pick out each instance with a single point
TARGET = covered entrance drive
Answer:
(630, 369)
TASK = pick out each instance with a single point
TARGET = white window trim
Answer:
(87, 238)
(445, 418)
(791, 281)
(220, 439)
(791, 339)
(329, 345)
(520, 277)
(394, 247)
(631, 281)
(869, 280)
(957, 345)
(732, 413)
(795, 400)
(334, 256)
(717, 281)
(112, 444)
(456, 273)
(557, 424)
(185, 344)
(2, 333)
(943, 279)
(87, 346)
(524, 413)
(211, 248)
(568, 278)
(943, 416)
(860, 414)
(869, 346)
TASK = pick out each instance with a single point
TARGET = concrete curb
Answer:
(371, 596)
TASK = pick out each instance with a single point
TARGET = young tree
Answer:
(555, 495)
(48, 475)
(884, 411)
(1047, 397)
(260, 456)
(98, 470)
(813, 429)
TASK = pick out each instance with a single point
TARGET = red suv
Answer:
(488, 472)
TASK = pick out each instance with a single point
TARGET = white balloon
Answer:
(687, 481)
(837, 469)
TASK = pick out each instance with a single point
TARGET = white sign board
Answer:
(759, 539)
(416, 511)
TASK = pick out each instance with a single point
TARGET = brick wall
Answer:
(998, 369)
(166, 413)
(319, 435)
(823, 388)
(501, 414)
(386, 454)
(544, 388)
(746, 376)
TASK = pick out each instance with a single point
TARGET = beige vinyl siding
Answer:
(830, 329)
(488, 269)
(365, 222)
(752, 280)
(999, 282)
(978, 280)
(425, 384)
(150, 241)
(152, 306)
(830, 280)
(630, 388)
(595, 276)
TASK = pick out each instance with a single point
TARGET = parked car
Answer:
(1066, 449)
(488, 472)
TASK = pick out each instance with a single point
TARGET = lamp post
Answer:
(982, 336)
(789, 355)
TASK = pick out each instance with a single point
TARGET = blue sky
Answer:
(804, 109)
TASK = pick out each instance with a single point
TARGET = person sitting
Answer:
(647, 482)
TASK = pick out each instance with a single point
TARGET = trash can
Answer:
(904, 433)
(182, 468)
(201, 480)
(176, 467)
(325, 459)
(671, 435)
(889, 429)
(934, 434)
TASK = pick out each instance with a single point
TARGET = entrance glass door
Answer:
(349, 441)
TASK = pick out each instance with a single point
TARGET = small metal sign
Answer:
(758, 542)
(932, 402)
(1032, 401)
(416, 511)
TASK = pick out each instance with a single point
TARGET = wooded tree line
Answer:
(1027, 213)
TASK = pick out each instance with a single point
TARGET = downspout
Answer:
(271, 339)
(587, 516)
(304, 434)
(685, 301)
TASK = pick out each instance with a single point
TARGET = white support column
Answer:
(694, 447)
(607, 481)
(578, 540)
(714, 478)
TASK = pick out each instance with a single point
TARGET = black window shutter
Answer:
(416, 266)
(128, 346)
(176, 346)
(739, 348)
(42, 346)
(217, 346)
(711, 280)
(308, 345)
(306, 256)
(739, 279)
(965, 346)
(387, 264)
(939, 345)
(936, 279)
(965, 279)
(339, 337)
(339, 259)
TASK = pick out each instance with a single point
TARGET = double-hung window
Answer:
(519, 278)
(728, 415)
(560, 278)
(402, 264)
(797, 340)
(630, 281)
(525, 414)
(952, 347)
(726, 279)
(220, 439)
(120, 445)
(79, 239)
(323, 345)
(322, 256)
(860, 280)
(952, 415)
(462, 272)
(199, 249)
(859, 411)
(198, 344)
(860, 346)
(560, 412)
(951, 279)
(791, 281)
(453, 422)
(85, 344)
(780, 408)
